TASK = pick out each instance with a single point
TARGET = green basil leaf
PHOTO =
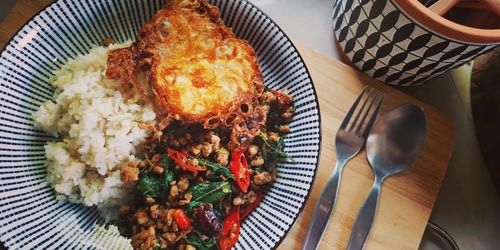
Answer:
(149, 185)
(169, 170)
(195, 240)
(193, 204)
(208, 192)
(272, 151)
(168, 175)
(216, 170)
(269, 152)
(281, 148)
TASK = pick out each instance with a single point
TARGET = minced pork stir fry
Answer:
(196, 185)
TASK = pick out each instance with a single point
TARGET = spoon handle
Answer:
(323, 209)
(364, 220)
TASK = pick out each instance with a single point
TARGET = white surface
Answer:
(468, 205)
(308, 21)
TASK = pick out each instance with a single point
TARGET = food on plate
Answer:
(193, 190)
(99, 128)
(176, 127)
(219, 136)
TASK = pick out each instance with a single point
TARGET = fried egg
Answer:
(194, 84)
(189, 63)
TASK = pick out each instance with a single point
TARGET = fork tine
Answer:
(373, 117)
(355, 121)
(352, 109)
(366, 112)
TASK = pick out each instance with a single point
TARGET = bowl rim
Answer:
(320, 136)
(444, 27)
(259, 10)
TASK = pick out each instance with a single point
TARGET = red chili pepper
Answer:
(252, 206)
(239, 168)
(277, 94)
(230, 229)
(179, 156)
(181, 219)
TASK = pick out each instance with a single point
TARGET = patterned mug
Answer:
(401, 42)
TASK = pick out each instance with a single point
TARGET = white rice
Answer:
(98, 130)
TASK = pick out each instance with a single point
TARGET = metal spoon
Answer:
(393, 144)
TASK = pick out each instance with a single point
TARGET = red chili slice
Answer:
(230, 229)
(239, 168)
(252, 206)
(179, 156)
(277, 94)
(182, 219)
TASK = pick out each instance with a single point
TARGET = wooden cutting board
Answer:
(406, 199)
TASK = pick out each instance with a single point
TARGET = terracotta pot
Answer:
(401, 42)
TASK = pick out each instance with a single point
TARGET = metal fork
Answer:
(349, 140)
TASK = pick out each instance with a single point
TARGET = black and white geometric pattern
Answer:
(383, 42)
(30, 216)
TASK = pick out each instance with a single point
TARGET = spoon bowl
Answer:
(393, 144)
(395, 140)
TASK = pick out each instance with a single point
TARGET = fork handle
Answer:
(323, 209)
(364, 220)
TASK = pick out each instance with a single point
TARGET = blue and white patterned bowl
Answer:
(31, 217)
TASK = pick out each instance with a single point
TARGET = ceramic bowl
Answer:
(401, 42)
(30, 215)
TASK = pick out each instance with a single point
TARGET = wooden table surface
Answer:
(406, 199)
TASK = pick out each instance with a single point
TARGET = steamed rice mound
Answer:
(98, 131)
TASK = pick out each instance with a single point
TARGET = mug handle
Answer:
(442, 6)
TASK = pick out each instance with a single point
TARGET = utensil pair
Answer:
(349, 140)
